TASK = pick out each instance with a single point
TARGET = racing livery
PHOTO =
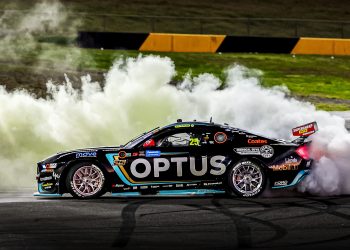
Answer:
(181, 158)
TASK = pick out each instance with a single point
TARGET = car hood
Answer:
(61, 155)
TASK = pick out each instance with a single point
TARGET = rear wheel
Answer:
(247, 179)
(86, 180)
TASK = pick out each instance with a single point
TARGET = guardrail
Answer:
(270, 27)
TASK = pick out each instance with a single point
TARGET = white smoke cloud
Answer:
(21, 32)
(18, 29)
(136, 97)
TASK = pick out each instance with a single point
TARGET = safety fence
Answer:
(238, 26)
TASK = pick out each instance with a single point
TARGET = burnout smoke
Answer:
(136, 96)
(21, 32)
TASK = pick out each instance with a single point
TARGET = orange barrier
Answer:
(322, 46)
(182, 43)
(164, 42)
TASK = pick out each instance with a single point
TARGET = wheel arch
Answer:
(254, 160)
(70, 164)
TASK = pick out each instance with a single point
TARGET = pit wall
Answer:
(163, 42)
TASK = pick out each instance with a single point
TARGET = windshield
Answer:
(140, 138)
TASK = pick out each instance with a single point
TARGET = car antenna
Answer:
(211, 119)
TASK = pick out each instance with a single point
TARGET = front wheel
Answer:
(86, 180)
(247, 179)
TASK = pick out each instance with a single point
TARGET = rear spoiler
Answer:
(304, 131)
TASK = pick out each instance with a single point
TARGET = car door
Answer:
(218, 143)
(173, 159)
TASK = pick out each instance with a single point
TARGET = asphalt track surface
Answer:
(291, 221)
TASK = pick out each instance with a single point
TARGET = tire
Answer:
(246, 179)
(86, 180)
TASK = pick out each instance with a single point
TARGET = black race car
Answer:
(181, 158)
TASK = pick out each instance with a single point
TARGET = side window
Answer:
(183, 139)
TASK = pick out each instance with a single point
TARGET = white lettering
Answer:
(163, 165)
(179, 161)
(216, 162)
(193, 166)
(147, 165)
(158, 168)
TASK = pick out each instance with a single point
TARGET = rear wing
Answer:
(304, 131)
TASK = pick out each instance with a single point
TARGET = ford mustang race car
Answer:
(181, 158)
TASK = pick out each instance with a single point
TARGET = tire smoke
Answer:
(136, 96)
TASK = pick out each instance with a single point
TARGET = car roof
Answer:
(195, 124)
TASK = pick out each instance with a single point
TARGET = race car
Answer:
(180, 158)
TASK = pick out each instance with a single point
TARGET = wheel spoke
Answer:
(88, 180)
(247, 178)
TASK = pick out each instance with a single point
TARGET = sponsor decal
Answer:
(119, 185)
(281, 183)
(47, 170)
(122, 154)
(149, 143)
(167, 186)
(85, 154)
(220, 137)
(191, 184)
(135, 154)
(305, 130)
(49, 184)
(284, 167)
(257, 141)
(247, 151)
(142, 153)
(194, 142)
(266, 151)
(212, 183)
(127, 188)
(163, 165)
(155, 186)
(56, 176)
(118, 162)
(144, 187)
(50, 165)
(291, 159)
(179, 185)
(47, 178)
(290, 163)
(184, 126)
(250, 136)
(152, 153)
(206, 137)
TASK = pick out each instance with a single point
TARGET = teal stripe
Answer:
(300, 176)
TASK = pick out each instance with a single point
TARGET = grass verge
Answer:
(322, 80)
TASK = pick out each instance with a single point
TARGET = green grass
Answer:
(319, 79)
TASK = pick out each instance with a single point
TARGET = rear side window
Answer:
(182, 139)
